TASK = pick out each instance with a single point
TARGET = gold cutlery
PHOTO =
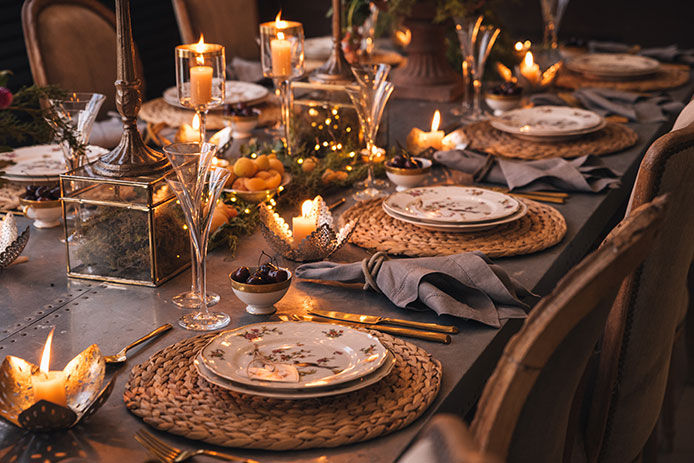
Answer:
(120, 356)
(376, 320)
(408, 333)
(336, 203)
(169, 454)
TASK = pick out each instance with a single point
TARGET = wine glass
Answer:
(72, 119)
(486, 36)
(552, 12)
(466, 29)
(370, 98)
(197, 186)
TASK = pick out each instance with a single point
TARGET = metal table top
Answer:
(37, 295)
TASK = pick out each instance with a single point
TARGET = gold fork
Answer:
(168, 454)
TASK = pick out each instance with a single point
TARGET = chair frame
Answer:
(581, 291)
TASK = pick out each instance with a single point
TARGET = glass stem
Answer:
(202, 279)
(286, 105)
(202, 116)
(477, 102)
(194, 288)
(467, 96)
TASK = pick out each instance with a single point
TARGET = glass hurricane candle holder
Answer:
(282, 59)
(200, 78)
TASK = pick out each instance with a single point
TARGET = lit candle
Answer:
(305, 224)
(281, 51)
(189, 133)
(530, 69)
(419, 140)
(200, 78)
(49, 385)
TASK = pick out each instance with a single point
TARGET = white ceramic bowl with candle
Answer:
(408, 177)
(260, 298)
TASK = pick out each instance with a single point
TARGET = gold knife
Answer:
(426, 335)
(376, 320)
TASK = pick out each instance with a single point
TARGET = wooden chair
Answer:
(649, 312)
(524, 411)
(72, 44)
(232, 23)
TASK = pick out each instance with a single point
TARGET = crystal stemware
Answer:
(72, 119)
(552, 12)
(197, 186)
(370, 98)
(466, 29)
(482, 43)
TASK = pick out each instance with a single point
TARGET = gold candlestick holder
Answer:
(336, 69)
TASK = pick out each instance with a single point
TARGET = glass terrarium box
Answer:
(125, 230)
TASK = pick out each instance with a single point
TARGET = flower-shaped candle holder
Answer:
(84, 376)
(15, 248)
(319, 244)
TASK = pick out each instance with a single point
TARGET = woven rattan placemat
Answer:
(669, 76)
(614, 137)
(168, 394)
(542, 227)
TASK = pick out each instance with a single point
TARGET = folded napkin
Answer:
(465, 285)
(604, 101)
(586, 173)
(670, 53)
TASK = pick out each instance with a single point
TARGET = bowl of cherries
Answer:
(504, 96)
(407, 171)
(243, 119)
(42, 204)
(260, 287)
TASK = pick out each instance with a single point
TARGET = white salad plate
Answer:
(613, 65)
(548, 121)
(235, 92)
(451, 205)
(328, 354)
(40, 162)
(462, 228)
(293, 394)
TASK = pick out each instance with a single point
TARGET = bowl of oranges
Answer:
(257, 179)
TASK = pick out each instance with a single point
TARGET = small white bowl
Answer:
(242, 126)
(502, 103)
(260, 299)
(408, 178)
(45, 214)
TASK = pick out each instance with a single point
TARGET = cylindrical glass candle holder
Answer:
(282, 59)
(200, 78)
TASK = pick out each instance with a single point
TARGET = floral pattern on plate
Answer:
(451, 205)
(322, 355)
(613, 64)
(548, 121)
(41, 161)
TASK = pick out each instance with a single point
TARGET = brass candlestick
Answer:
(131, 158)
(336, 69)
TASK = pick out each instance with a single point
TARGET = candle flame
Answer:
(505, 72)
(435, 121)
(46, 356)
(528, 61)
(306, 208)
(404, 36)
(279, 24)
(280, 35)
(200, 46)
(196, 122)
(518, 46)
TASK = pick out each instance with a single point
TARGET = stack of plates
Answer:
(40, 163)
(329, 359)
(549, 123)
(235, 92)
(454, 208)
(613, 65)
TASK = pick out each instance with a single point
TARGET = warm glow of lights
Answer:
(528, 61)
(403, 36)
(435, 121)
(196, 122)
(200, 46)
(505, 72)
(46, 356)
(313, 112)
(527, 44)
(280, 35)
(306, 207)
(518, 46)
(279, 24)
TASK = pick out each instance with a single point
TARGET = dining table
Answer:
(37, 295)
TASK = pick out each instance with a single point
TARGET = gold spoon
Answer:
(120, 356)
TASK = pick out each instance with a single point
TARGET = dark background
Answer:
(646, 22)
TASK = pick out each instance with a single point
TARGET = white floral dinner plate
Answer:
(40, 162)
(323, 354)
(613, 65)
(462, 228)
(343, 388)
(550, 121)
(451, 205)
(235, 92)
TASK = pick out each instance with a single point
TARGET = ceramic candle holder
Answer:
(83, 388)
(321, 243)
(14, 249)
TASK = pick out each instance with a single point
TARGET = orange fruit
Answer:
(255, 184)
(239, 184)
(274, 181)
(244, 167)
(276, 164)
(264, 174)
(262, 162)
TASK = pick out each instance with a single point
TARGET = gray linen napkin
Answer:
(606, 101)
(586, 173)
(465, 285)
(670, 53)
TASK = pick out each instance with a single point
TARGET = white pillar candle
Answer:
(305, 224)
(200, 85)
(50, 386)
(281, 50)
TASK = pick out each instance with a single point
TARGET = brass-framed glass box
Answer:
(126, 230)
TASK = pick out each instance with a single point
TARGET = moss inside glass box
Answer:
(126, 230)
